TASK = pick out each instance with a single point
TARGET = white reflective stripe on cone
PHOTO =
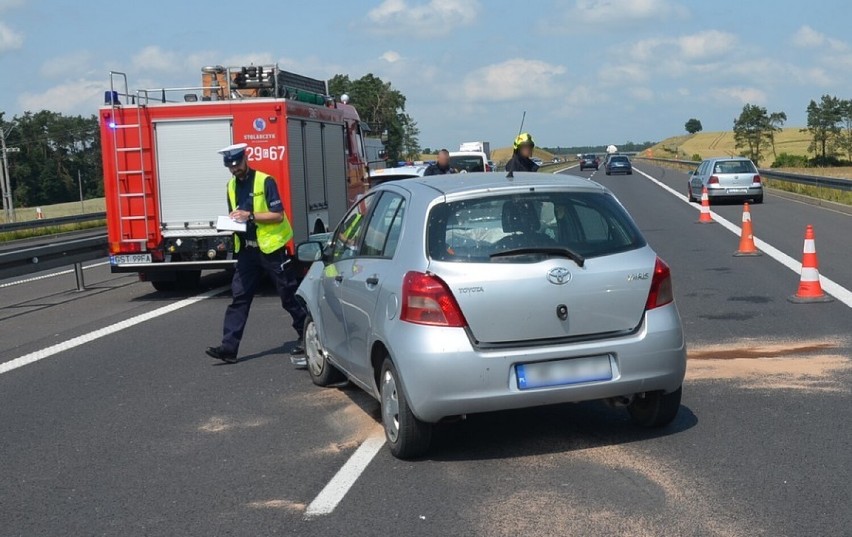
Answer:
(810, 274)
(810, 247)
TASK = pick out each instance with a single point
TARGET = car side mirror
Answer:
(309, 252)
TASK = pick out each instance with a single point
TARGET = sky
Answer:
(586, 72)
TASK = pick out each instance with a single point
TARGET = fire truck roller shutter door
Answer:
(298, 194)
(315, 185)
(190, 180)
(334, 141)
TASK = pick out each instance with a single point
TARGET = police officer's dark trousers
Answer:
(251, 264)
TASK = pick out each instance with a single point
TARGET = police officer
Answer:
(442, 166)
(253, 199)
(521, 160)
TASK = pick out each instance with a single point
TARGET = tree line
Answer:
(51, 150)
(829, 125)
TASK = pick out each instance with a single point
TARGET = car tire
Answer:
(321, 371)
(758, 200)
(407, 436)
(629, 173)
(689, 195)
(656, 409)
(608, 173)
(164, 286)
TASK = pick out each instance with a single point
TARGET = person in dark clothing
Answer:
(521, 160)
(442, 167)
(262, 248)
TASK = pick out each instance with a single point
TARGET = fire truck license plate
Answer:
(130, 259)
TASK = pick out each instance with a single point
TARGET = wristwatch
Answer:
(251, 217)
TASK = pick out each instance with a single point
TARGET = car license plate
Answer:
(737, 191)
(129, 259)
(563, 372)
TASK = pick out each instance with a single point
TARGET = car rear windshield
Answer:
(589, 157)
(734, 166)
(471, 163)
(586, 223)
(619, 159)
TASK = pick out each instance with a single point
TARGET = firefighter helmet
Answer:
(524, 138)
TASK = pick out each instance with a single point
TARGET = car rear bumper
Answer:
(734, 192)
(444, 375)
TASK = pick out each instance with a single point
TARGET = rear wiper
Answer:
(547, 250)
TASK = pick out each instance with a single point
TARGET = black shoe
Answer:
(220, 353)
(299, 348)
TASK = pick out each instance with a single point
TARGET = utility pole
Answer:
(80, 184)
(8, 207)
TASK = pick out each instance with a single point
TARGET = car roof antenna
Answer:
(511, 174)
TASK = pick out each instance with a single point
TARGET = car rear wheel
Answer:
(321, 371)
(689, 194)
(407, 436)
(758, 200)
(655, 409)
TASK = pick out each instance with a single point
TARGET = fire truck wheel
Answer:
(164, 286)
(188, 280)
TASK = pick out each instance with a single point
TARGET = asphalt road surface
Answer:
(115, 423)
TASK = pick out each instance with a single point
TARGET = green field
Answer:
(24, 214)
(721, 144)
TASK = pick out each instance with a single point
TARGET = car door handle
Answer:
(338, 278)
(372, 280)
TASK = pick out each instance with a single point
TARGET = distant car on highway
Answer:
(537, 161)
(618, 164)
(726, 178)
(383, 175)
(451, 295)
(589, 161)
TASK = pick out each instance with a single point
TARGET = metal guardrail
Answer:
(30, 259)
(50, 222)
(810, 180)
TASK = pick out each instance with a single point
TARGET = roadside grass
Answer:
(52, 230)
(25, 214)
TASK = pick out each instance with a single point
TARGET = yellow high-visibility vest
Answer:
(270, 237)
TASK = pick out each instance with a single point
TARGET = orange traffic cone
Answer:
(706, 217)
(747, 247)
(39, 214)
(810, 289)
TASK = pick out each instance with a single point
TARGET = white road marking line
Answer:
(565, 169)
(829, 286)
(106, 331)
(336, 489)
(51, 275)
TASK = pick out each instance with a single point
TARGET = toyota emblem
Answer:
(559, 276)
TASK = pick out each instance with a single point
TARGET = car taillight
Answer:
(713, 180)
(661, 286)
(426, 299)
(756, 179)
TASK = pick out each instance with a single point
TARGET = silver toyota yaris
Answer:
(451, 295)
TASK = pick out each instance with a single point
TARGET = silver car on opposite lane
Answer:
(448, 296)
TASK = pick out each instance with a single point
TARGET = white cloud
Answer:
(513, 79)
(391, 56)
(807, 37)
(9, 38)
(421, 19)
(641, 94)
(76, 97)
(622, 12)
(629, 73)
(701, 46)
(153, 58)
(75, 63)
(740, 95)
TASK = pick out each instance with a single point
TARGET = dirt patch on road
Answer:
(219, 424)
(667, 502)
(285, 505)
(804, 365)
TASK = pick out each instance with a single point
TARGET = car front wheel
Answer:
(321, 371)
(655, 409)
(407, 436)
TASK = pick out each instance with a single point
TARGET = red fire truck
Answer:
(165, 184)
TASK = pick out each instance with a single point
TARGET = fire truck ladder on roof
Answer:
(124, 175)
